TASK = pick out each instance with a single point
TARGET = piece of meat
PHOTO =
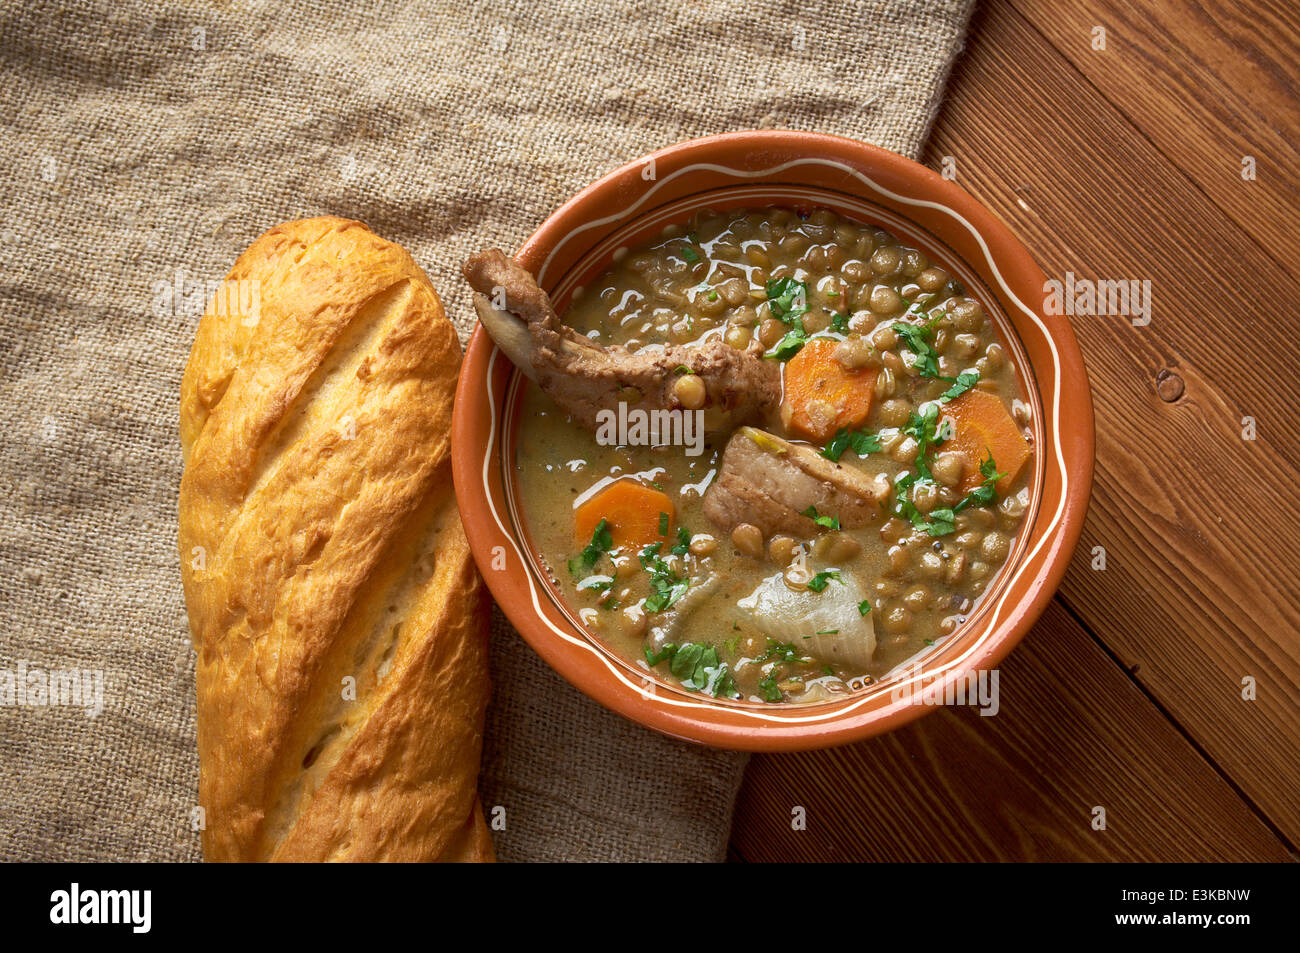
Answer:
(584, 377)
(771, 482)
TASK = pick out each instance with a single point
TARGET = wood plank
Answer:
(1073, 732)
(1197, 523)
(1207, 83)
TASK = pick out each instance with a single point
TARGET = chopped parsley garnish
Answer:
(918, 339)
(840, 322)
(690, 254)
(986, 492)
(829, 522)
(828, 632)
(961, 383)
(601, 543)
(790, 345)
(864, 607)
(780, 651)
(697, 666)
(863, 443)
(938, 522)
(682, 369)
(654, 658)
(823, 579)
(667, 586)
(941, 521)
(788, 299)
(663, 524)
(926, 430)
(597, 583)
(683, 542)
(768, 688)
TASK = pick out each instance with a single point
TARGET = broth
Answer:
(899, 411)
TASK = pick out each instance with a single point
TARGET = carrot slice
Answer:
(822, 395)
(632, 510)
(983, 427)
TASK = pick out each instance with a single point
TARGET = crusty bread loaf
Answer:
(338, 620)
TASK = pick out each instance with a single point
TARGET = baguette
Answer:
(339, 624)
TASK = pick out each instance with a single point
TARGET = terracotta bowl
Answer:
(630, 206)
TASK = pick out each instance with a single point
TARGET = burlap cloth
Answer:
(146, 143)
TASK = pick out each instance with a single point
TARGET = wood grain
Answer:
(1072, 733)
(1124, 168)
(1196, 522)
(1207, 84)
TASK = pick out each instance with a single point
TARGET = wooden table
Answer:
(1123, 163)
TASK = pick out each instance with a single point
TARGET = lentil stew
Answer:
(832, 464)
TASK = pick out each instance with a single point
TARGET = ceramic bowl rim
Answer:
(622, 196)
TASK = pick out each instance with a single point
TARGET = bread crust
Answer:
(339, 623)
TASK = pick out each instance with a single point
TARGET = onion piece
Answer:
(826, 624)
